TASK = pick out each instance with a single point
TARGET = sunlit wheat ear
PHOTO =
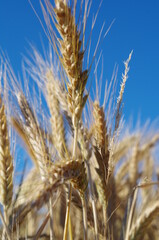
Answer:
(101, 146)
(101, 151)
(140, 226)
(120, 98)
(73, 170)
(6, 163)
(72, 57)
(58, 132)
(28, 125)
(6, 167)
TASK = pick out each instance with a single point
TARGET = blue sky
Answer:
(136, 27)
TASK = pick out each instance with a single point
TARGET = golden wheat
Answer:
(91, 179)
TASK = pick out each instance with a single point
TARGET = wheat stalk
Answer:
(72, 61)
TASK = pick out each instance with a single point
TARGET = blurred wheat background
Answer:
(71, 167)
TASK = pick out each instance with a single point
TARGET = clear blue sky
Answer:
(136, 27)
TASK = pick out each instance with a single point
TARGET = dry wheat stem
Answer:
(70, 188)
(70, 229)
(129, 222)
(91, 189)
(51, 217)
(85, 225)
(67, 212)
(86, 153)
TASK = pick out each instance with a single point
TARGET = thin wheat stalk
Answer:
(85, 225)
(130, 217)
(68, 204)
(86, 152)
(51, 217)
(91, 189)
(67, 217)
(70, 229)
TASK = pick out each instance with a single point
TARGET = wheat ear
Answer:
(30, 129)
(6, 164)
(72, 60)
(29, 126)
(102, 154)
(122, 87)
(56, 119)
(72, 57)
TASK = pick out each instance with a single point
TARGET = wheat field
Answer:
(92, 177)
